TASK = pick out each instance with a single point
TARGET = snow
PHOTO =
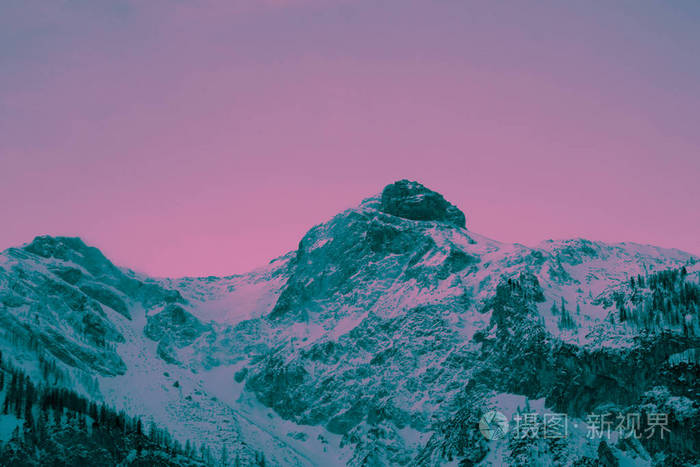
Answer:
(230, 300)
(203, 408)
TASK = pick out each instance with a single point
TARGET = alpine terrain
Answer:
(382, 340)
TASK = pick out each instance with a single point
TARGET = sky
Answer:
(205, 138)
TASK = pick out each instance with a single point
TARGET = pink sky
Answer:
(208, 140)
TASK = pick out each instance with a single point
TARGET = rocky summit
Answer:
(380, 341)
(411, 200)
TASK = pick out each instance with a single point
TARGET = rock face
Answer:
(175, 324)
(57, 299)
(361, 253)
(411, 200)
(173, 328)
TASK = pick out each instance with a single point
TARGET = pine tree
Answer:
(224, 457)
(554, 309)
(57, 416)
(113, 439)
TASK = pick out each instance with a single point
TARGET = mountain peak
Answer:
(412, 200)
(47, 245)
(72, 249)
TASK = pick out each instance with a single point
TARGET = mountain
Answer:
(382, 340)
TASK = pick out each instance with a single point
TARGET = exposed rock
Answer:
(107, 297)
(176, 325)
(411, 200)
(606, 456)
(364, 244)
(75, 250)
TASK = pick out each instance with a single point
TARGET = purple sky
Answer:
(207, 140)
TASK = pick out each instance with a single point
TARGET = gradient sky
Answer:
(195, 138)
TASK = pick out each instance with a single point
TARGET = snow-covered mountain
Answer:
(380, 341)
